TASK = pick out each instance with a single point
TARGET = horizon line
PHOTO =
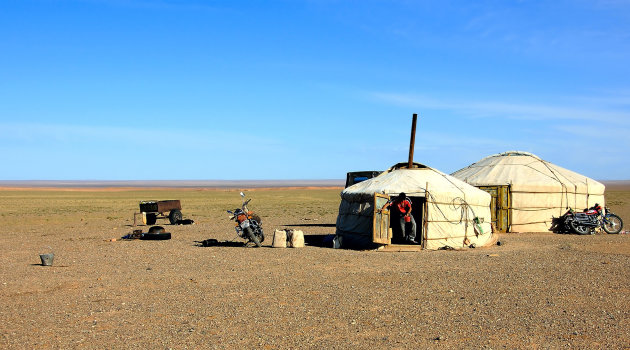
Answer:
(198, 183)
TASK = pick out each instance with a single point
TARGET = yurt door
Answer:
(499, 206)
(380, 226)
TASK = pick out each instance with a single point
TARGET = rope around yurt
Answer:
(459, 203)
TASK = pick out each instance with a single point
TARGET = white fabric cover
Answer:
(540, 190)
(448, 222)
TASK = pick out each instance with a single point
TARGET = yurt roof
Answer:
(414, 182)
(525, 171)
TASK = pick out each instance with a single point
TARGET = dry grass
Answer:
(618, 200)
(537, 290)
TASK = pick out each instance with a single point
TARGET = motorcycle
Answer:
(587, 221)
(248, 224)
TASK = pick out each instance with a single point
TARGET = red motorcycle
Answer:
(585, 222)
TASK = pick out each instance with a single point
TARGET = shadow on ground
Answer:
(216, 243)
(322, 241)
(558, 226)
(311, 225)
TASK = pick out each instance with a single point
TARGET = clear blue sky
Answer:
(185, 89)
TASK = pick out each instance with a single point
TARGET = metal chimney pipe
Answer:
(413, 140)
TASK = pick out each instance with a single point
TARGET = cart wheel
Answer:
(151, 218)
(174, 216)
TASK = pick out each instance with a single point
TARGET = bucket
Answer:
(47, 259)
(407, 218)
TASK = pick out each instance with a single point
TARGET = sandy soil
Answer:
(536, 290)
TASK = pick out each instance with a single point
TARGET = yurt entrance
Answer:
(385, 228)
(499, 206)
(417, 211)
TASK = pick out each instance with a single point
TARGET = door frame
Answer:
(500, 206)
(381, 233)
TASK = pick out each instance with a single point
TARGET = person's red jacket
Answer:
(403, 206)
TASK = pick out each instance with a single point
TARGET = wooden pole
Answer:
(425, 216)
(413, 140)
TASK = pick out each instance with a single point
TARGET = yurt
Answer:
(528, 192)
(447, 211)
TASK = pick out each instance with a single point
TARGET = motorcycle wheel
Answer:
(614, 224)
(579, 229)
(252, 237)
(566, 225)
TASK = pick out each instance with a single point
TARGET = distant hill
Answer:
(610, 184)
(616, 184)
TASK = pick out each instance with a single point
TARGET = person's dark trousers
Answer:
(412, 234)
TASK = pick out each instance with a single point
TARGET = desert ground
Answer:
(534, 291)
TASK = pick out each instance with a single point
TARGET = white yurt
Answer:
(528, 192)
(447, 211)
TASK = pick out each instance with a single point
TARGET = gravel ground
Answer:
(536, 290)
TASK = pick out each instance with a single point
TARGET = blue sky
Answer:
(183, 89)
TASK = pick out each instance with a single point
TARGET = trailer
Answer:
(153, 210)
(355, 177)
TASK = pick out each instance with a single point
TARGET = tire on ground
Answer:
(156, 229)
(156, 236)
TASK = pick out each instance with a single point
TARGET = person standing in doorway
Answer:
(401, 213)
